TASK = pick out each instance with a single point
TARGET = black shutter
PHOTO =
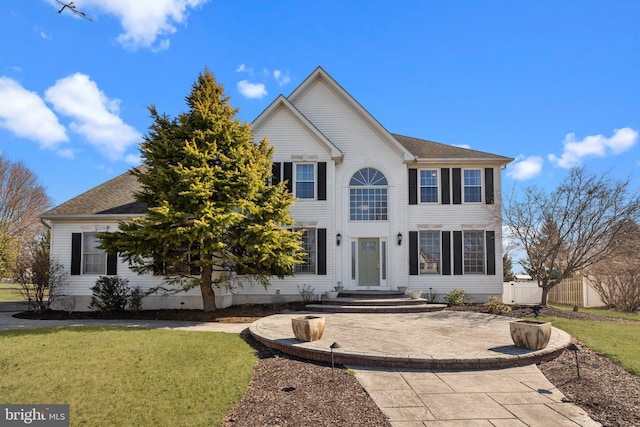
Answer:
(413, 253)
(322, 251)
(288, 175)
(322, 180)
(446, 253)
(413, 187)
(457, 186)
(491, 252)
(76, 253)
(457, 253)
(112, 264)
(488, 186)
(445, 192)
(276, 173)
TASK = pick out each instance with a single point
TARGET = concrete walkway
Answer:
(7, 322)
(519, 396)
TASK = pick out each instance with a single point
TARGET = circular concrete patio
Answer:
(436, 340)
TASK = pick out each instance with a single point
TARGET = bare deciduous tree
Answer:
(22, 199)
(572, 228)
(617, 279)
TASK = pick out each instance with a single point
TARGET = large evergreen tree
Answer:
(210, 207)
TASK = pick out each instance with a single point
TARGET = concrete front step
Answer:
(371, 294)
(337, 308)
(371, 301)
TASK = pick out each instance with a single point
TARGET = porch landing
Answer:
(374, 302)
(432, 340)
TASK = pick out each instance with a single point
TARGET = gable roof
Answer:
(114, 198)
(282, 102)
(320, 74)
(425, 150)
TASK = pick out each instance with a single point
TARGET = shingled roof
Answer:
(114, 197)
(429, 150)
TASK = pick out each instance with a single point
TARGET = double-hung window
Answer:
(305, 181)
(429, 255)
(472, 186)
(309, 245)
(94, 258)
(474, 252)
(428, 186)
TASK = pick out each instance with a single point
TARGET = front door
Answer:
(368, 262)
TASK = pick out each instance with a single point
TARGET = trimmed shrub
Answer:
(455, 297)
(496, 306)
(110, 293)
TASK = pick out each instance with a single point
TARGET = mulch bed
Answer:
(285, 391)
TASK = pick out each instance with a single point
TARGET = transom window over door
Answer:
(368, 196)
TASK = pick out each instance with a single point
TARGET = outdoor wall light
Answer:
(338, 239)
(399, 236)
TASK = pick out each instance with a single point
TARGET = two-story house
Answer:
(380, 210)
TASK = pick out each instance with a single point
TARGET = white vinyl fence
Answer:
(521, 293)
(570, 292)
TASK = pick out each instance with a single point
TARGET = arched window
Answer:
(368, 196)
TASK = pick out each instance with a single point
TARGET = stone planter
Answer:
(402, 289)
(415, 294)
(332, 294)
(530, 334)
(308, 328)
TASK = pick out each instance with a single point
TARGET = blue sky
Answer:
(552, 84)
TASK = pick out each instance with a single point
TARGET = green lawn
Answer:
(132, 377)
(602, 312)
(619, 341)
(10, 292)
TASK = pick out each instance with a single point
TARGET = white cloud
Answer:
(251, 90)
(146, 23)
(93, 115)
(25, 114)
(241, 68)
(282, 79)
(467, 146)
(525, 168)
(594, 146)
